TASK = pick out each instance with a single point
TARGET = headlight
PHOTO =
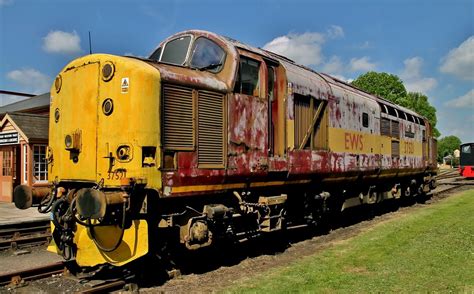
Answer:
(108, 71)
(56, 115)
(58, 82)
(68, 141)
(108, 106)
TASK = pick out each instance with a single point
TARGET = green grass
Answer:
(428, 250)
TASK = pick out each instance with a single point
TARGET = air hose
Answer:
(119, 241)
(46, 204)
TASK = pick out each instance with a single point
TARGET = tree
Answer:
(391, 87)
(382, 84)
(447, 145)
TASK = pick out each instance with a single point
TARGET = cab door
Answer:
(73, 134)
(248, 119)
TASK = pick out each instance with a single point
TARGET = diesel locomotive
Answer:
(209, 139)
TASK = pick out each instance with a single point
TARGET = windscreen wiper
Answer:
(210, 66)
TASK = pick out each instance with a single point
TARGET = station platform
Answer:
(9, 214)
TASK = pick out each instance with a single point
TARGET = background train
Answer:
(211, 139)
(466, 160)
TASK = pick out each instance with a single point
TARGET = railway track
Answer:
(107, 287)
(447, 174)
(452, 177)
(19, 278)
(24, 235)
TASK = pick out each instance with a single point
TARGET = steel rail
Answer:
(22, 235)
(35, 273)
(105, 288)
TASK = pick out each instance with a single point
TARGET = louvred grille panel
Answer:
(178, 118)
(210, 130)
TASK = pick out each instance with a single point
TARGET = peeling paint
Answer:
(248, 158)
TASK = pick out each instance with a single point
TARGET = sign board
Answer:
(9, 138)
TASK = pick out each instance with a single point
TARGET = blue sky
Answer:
(429, 44)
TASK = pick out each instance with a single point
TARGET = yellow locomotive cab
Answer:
(111, 100)
(101, 105)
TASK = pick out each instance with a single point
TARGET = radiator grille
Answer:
(395, 129)
(210, 130)
(385, 127)
(395, 148)
(178, 118)
(303, 118)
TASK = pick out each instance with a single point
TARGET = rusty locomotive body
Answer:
(209, 138)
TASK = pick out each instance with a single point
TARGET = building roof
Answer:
(32, 126)
(36, 102)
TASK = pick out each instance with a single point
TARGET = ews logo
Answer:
(353, 141)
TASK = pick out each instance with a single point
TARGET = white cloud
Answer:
(423, 85)
(412, 68)
(30, 80)
(302, 48)
(342, 78)
(5, 2)
(365, 45)
(361, 64)
(335, 32)
(460, 60)
(333, 66)
(62, 42)
(464, 101)
(412, 78)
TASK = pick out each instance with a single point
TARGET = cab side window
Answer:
(248, 78)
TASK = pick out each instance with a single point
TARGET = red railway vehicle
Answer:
(466, 160)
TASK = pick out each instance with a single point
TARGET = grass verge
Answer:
(426, 250)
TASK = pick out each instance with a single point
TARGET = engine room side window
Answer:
(175, 51)
(365, 120)
(207, 55)
(248, 77)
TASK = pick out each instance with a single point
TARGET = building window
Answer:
(7, 163)
(14, 175)
(25, 163)
(40, 163)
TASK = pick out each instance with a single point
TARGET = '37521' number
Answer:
(117, 174)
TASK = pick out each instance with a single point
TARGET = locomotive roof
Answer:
(304, 76)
